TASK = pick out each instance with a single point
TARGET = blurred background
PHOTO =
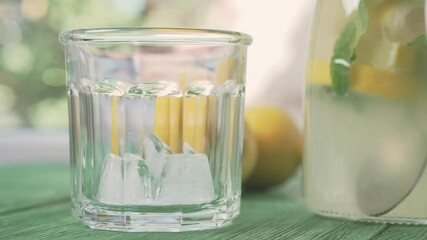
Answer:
(33, 105)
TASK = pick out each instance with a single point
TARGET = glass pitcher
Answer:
(365, 111)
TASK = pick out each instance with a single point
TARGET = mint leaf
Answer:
(419, 42)
(419, 45)
(344, 49)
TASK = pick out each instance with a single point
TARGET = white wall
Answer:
(277, 57)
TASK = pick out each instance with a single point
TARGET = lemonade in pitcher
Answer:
(365, 111)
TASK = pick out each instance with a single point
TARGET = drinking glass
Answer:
(156, 124)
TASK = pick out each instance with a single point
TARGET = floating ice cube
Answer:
(186, 179)
(205, 88)
(110, 189)
(405, 22)
(136, 181)
(155, 151)
(124, 181)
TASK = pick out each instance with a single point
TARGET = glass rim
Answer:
(155, 35)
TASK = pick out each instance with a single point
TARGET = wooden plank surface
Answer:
(27, 186)
(404, 232)
(41, 214)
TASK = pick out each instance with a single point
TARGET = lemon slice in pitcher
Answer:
(368, 79)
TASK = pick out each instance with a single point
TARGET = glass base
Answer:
(165, 220)
(382, 219)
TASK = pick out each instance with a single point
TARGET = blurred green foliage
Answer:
(32, 75)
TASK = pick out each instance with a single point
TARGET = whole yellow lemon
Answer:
(279, 146)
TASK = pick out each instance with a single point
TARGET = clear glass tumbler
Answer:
(156, 124)
(366, 114)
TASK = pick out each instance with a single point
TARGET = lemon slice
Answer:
(368, 79)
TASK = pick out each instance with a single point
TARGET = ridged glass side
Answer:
(156, 135)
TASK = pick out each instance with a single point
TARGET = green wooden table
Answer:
(35, 204)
